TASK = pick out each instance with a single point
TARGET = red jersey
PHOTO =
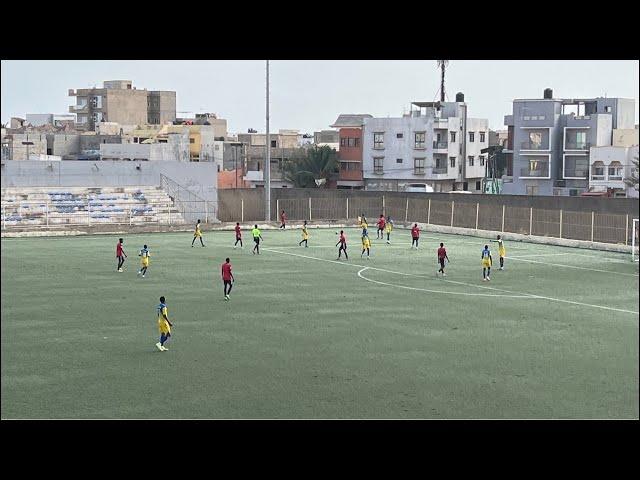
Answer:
(442, 252)
(415, 232)
(226, 272)
(119, 250)
(343, 239)
(381, 223)
(238, 233)
(283, 217)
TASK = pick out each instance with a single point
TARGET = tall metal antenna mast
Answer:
(442, 65)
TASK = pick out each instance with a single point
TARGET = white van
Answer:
(419, 187)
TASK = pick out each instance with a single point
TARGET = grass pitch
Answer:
(554, 335)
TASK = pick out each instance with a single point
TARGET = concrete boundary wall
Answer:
(200, 178)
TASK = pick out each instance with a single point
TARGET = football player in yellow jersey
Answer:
(144, 262)
(164, 325)
(197, 234)
(388, 228)
(366, 246)
(502, 252)
(486, 263)
(305, 236)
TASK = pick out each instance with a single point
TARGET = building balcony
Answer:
(528, 145)
(350, 175)
(580, 173)
(440, 145)
(439, 170)
(573, 145)
(541, 171)
(78, 108)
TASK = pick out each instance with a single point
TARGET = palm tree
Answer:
(632, 180)
(319, 163)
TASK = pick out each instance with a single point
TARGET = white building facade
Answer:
(435, 146)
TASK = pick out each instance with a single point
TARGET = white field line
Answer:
(573, 266)
(433, 291)
(538, 255)
(555, 264)
(519, 294)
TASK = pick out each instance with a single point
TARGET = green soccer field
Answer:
(554, 335)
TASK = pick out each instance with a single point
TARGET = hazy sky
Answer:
(309, 95)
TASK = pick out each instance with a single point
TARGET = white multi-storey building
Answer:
(436, 145)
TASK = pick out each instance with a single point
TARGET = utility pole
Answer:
(267, 167)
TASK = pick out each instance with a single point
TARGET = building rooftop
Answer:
(350, 120)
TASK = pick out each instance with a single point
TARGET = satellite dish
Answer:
(320, 181)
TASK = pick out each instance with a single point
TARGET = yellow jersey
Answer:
(163, 325)
(305, 233)
(198, 232)
(144, 253)
(501, 250)
(366, 243)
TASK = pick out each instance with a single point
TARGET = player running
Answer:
(305, 236)
(257, 236)
(366, 246)
(120, 255)
(164, 325)
(381, 224)
(388, 228)
(343, 246)
(486, 264)
(442, 255)
(238, 236)
(144, 261)
(283, 219)
(197, 234)
(501, 252)
(415, 235)
(227, 278)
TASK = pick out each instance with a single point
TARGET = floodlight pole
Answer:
(267, 167)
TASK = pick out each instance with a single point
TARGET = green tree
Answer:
(319, 163)
(632, 180)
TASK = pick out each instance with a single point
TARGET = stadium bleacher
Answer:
(41, 206)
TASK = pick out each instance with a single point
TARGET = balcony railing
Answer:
(576, 173)
(533, 146)
(439, 170)
(440, 145)
(597, 177)
(573, 145)
(542, 171)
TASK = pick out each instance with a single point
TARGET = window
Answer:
(418, 166)
(478, 185)
(471, 161)
(378, 140)
(452, 162)
(453, 136)
(615, 171)
(526, 117)
(191, 140)
(482, 137)
(597, 171)
(217, 147)
(471, 136)
(420, 139)
(356, 142)
(481, 160)
(343, 142)
(574, 192)
(532, 189)
(399, 135)
(607, 109)
(274, 143)
(398, 160)
(378, 164)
